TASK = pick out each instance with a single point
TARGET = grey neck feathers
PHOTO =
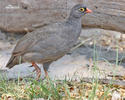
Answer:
(74, 20)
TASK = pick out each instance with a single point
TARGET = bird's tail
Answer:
(12, 62)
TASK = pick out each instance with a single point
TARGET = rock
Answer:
(96, 32)
(106, 14)
(116, 96)
(27, 14)
(24, 14)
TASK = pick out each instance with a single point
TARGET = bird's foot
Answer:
(38, 74)
(46, 74)
(37, 69)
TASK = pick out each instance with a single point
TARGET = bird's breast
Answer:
(71, 36)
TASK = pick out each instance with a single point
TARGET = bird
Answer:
(49, 43)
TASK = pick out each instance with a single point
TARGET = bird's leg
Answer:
(46, 67)
(46, 73)
(37, 69)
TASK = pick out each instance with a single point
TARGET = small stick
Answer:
(105, 81)
(80, 44)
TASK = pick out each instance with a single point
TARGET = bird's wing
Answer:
(30, 39)
(22, 45)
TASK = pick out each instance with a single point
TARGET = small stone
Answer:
(117, 35)
(116, 96)
(123, 36)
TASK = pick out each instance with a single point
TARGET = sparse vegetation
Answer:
(28, 89)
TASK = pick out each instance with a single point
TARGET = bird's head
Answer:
(79, 10)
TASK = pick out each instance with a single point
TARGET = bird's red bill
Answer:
(88, 10)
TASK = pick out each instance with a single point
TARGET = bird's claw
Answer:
(38, 72)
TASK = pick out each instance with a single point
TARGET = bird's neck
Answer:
(74, 20)
(75, 26)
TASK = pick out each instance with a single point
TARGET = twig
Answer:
(105, 81)
(110, 75)
(81, 43)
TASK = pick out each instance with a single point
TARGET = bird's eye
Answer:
(82, 9)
